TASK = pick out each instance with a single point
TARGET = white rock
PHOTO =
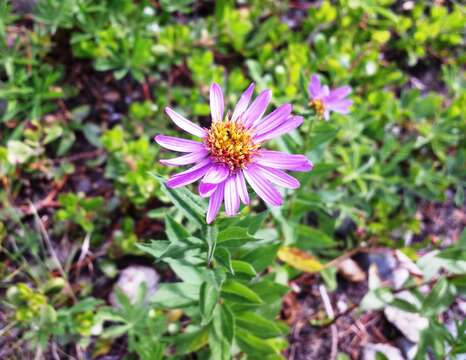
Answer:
(404, 270)
(148, 10)
(407, 263)
(130, 280)
(342, 306)
(400, 276)
(390, 352)
(410, 324)
(351, 271)
(407, 347)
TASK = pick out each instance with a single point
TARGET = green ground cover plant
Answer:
(102, 256)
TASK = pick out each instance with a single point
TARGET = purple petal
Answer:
(257, 108)
(216, 102)
(216, 174)
(325, 91)
(340, 92)
(279, 177)
(178, 144)
(283, 161)
(262, 186)
(242, 188)
(243, 103)
(214, 203)
(185, 124)
(206, 190)
(272, 120)
(314, 87)
(340, 106)
(231, 196)
(191, 175)
(290, 124)
(186, 159)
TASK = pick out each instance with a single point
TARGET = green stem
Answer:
(305, 146)
(309, 135)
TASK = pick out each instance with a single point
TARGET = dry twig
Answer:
(52, 252)
(333, 328)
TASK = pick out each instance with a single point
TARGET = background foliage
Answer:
(82, 88)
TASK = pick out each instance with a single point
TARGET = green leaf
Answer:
(208, 298)
(211, 237)
(311, 238)
(253, 222)
(18, 152)
(404, 305)
(174, 230)
(226, 323)
(238, 292)
(271, 294)
(191, 341)
(262, 256)
(459, 196)
(260, 326)
(322, 132)
(163, 249)
(453, 253)
(255, 346)
(243, 267)
(191, 205)
(377, 298)
(223, 256)
(155, 248)
(116, 331)
(180, 252)
(176, 295)
(233, 236)
(66, 142)
(222, 332)
(329, 275)
(462, 241)
(187, 272)
(439, 299)
(184, 6)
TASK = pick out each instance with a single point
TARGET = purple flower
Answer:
(230, 153)
(324, 100)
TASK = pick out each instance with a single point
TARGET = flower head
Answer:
(230, 152)
(324, 100)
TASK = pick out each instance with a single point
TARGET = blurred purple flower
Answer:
(324, 100)
(230, 152)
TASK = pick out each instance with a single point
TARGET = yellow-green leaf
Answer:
(299, 259)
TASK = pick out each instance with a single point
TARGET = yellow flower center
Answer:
(230, 143)
(318, 106)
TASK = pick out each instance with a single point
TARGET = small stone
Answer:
(351, 271)
(407, 347)
(410, 324)
(112, 96)
(131, 278)
(342, 306)
(408, 5)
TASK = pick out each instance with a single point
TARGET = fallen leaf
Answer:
(299, 259)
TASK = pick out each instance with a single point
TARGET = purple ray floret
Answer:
(325, 100)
